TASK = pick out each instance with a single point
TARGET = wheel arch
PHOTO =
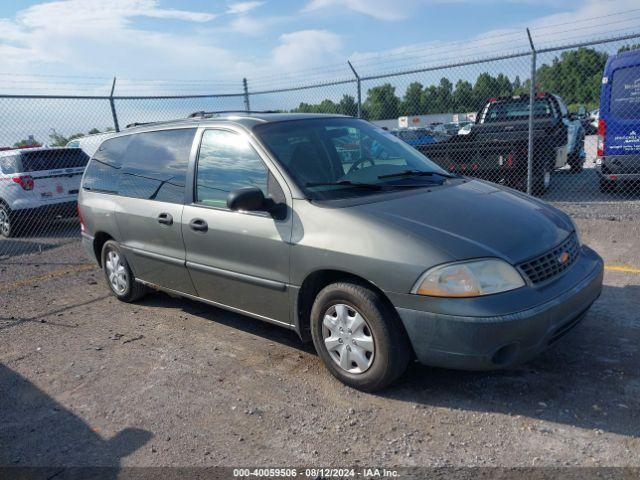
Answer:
(311, 286)
(99, 239)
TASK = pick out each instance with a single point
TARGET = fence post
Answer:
(359, 89)
(245, 87)
(113, 106)
(532, 98)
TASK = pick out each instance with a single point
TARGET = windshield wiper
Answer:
(370, 186)
(417, 173)
(348, 183)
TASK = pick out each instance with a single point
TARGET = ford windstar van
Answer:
(336, 229)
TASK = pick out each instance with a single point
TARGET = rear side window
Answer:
(155, 165)
(103, 172)
(9, 165)
(40, 160)
(625, 93)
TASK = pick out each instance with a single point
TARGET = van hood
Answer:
(475, 219)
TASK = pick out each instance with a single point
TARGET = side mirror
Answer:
(248, 199)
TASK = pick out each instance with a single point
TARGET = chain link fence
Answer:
(528, 120)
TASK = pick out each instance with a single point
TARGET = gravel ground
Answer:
(86, 380)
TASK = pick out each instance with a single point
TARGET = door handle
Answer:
(199, 225)
(165, 219)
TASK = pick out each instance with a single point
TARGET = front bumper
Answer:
(491, 338)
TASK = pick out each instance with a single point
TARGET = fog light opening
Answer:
(505, 355)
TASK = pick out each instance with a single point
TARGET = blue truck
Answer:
(618, 157)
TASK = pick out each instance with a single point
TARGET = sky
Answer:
(271, 42)
(170, 47)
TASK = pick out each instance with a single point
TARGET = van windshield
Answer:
(344, 157)
(625, 93)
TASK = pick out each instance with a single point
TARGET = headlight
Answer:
(469, 279)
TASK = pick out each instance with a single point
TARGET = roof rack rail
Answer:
(203, 114)
(137, 124)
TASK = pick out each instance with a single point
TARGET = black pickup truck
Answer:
(496, 146)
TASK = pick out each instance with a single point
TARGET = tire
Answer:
(124, 287)
(382, 333)
(8, 224)
(607, 186)
(576, 163)
(541, 181)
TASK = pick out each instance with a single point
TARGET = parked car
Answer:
(419, 136)
(38, 183)
(496, 146)
(376, 259)
(89, 143)
(618, 160)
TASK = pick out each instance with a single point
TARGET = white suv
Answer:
(38, 182)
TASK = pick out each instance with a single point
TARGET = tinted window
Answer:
(103, 172)
(517, 110)
(155, 165)
(39, 160)
(227, 162)
(625, 93)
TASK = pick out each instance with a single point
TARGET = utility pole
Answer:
(113, 106)
(532, 99)
(245, 87)
(359, 89)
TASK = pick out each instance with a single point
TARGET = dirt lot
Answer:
(86, 380)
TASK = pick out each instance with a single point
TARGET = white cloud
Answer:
(378, 9)
(307, 48)
(243, 7)
(69, 36)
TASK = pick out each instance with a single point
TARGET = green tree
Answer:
(93, 131)
(348, 106)
(382, 102)
(463, 96)
(575, 75)
(628, 48)
(28, 142)
(429, 99)
(412, 100)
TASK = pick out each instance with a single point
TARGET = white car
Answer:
(38, 183)
(89, 143)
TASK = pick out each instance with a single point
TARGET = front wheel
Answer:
(358, 336)
(119, 275)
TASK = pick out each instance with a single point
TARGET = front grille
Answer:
(550, 264)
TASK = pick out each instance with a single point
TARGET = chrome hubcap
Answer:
(348, 338)
(4, 221)
(116, 272)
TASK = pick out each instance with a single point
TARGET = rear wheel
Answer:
(358, 336)
(541, 181)
(7, 221)
(607, 186)
(576, 163)
(119, 275)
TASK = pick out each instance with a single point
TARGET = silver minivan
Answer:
(336, 229)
